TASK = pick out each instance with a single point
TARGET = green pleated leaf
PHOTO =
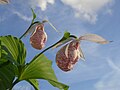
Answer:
(5, 57)
(61, 86)
(7, 76)
(13, 49)
(34, 83)
(41, 68)
(0, 49)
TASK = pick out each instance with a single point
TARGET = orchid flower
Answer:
(69, 54)
(39, 37)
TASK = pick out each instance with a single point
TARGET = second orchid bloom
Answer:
(69, 54)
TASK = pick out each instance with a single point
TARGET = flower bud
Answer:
(38, 37)
(68, 55)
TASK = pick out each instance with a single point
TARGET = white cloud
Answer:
(23, 9)
(111, 80)
(88, 9)
(41, 3)
(2, 18)
(4, 15)
(112, 65)
(26, 18)
(84, 71)
(90, 48)
(23, 85)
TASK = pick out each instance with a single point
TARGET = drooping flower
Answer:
(39, 37)
(68, 55)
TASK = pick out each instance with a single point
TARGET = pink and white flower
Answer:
(68, 55)
(38, 37)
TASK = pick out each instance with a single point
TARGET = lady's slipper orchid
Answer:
(69, 54)
(38, 37)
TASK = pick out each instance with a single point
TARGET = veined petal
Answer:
(4, 1)
(66, 50)
(94, 38)
(80, 53)
(62, 43)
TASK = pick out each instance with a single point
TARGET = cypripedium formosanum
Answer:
(69, 54)
(39, 37)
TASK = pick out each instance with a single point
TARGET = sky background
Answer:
(101, 70)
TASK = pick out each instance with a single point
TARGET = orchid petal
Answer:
(80, 53)
(66, 50)
(4, 1)
(62, 43)
(94, 38)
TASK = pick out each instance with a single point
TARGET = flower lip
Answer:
(68, 55)
(38, 37)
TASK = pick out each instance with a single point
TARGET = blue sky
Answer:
(101, 70)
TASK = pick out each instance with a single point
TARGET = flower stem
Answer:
(15, 82)
(28, 29)
(71, 36)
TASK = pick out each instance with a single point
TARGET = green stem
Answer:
(15, 82)
(29, 28)
(71, 36)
